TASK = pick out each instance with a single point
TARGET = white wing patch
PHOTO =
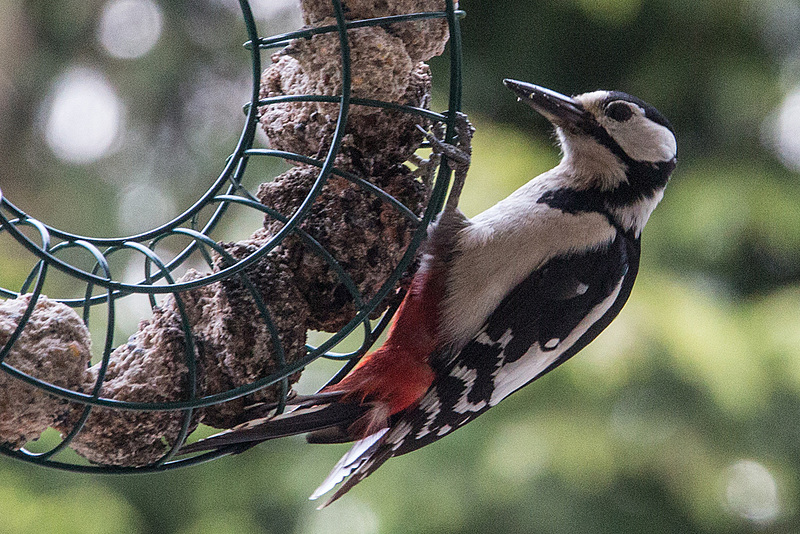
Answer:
(553, 343)
(513, 375)
(444, 430)
(468, 376)
(398, 435)
(431, 405)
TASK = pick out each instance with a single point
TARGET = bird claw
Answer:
(426, 168)
(459, 153)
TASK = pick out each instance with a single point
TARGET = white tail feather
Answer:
(352, 460)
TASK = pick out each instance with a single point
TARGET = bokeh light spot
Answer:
(786, 131)
(751, 492)
(83, 116)
(129, 29)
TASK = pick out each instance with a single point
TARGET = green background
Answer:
(684, 416)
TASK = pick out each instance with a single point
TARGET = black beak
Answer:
(559, 109)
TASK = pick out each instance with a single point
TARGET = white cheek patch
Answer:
(643, 139)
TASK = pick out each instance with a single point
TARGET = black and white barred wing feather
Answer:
(545, 320)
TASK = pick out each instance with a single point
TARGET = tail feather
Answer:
(327, 436)
(379, 456)
(359, 454)
(300, 421)
(263, 410)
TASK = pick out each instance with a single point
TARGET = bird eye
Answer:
(619, 111)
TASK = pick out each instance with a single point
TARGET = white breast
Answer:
(503, 245)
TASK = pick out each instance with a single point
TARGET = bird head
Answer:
(613, 143)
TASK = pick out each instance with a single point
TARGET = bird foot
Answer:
(460, 150)
(426, 168)
(459, 153)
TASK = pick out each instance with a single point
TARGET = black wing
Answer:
(546, 319)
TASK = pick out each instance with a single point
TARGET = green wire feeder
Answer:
(341, 100)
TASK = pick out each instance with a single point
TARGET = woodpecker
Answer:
(500, 299)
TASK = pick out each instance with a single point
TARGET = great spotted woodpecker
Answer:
(499, 299)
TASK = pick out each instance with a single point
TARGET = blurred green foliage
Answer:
(684, 416)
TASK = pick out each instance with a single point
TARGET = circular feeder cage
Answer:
(105, 288)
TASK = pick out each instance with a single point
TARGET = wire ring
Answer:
(225, 192)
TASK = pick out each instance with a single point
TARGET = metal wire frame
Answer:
(226, 191)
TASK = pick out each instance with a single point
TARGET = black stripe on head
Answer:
(644, 180)
(591, 127)
(649, 111)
